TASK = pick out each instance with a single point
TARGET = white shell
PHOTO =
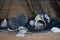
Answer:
(32, 23)
(37, 18)
(47, 17)
(55, 30)
(20, 34)
(22, 29)
(4, 23)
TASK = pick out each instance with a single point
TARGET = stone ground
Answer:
(30, 36)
